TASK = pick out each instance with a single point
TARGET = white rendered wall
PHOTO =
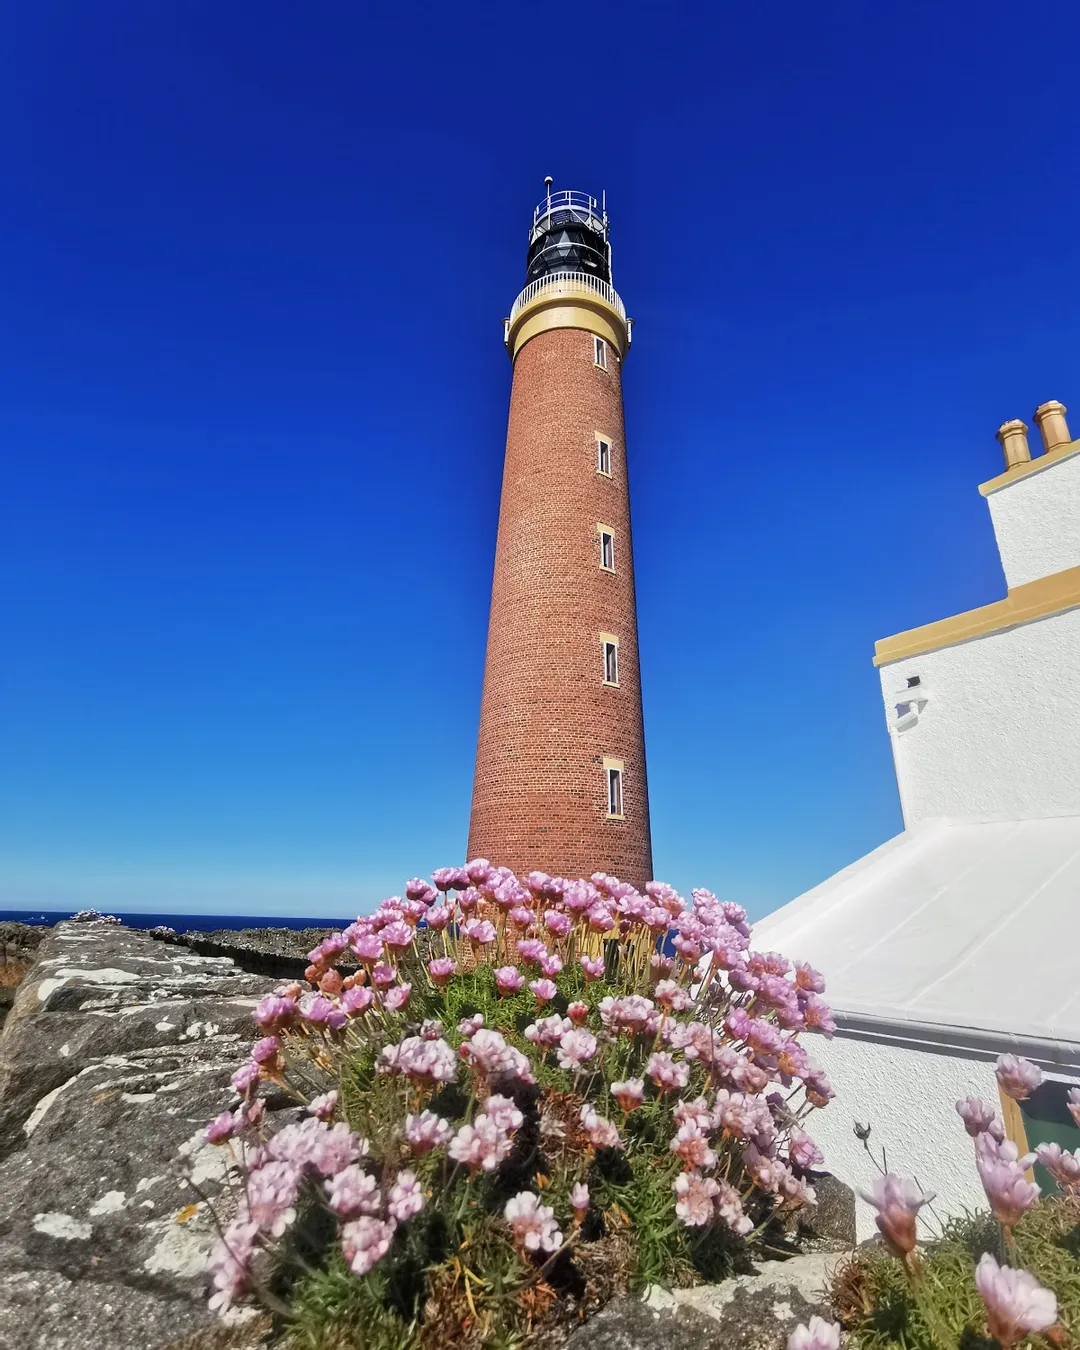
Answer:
(1037, 522)
(908, 1098)
(999, 733)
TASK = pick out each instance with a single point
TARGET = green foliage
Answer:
(877, 1304)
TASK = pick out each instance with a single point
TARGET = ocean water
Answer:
(183, 923)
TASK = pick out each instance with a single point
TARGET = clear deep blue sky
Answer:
(254, 260)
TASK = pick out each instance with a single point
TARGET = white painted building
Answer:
(960, 938)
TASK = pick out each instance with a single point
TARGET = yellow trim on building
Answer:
(570, 305)
(1030, 466)
(1034, 600)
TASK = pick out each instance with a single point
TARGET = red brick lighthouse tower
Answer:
(560, 765)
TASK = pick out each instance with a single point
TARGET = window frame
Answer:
(606, 534)
(614, 789)
(609, 641)
(604, 441)
(599, 352)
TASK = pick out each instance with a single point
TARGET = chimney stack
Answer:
(1013, 438)
(1050, 418)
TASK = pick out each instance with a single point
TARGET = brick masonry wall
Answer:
(547, 720)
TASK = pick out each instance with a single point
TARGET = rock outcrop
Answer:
(117, 1052)
(747, 1312)
(18, 948)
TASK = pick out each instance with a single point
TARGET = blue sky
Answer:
(253, 393)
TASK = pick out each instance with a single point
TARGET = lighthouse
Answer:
(560, 782)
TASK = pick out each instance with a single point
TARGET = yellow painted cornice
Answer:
(1034, 600)
(1030, 466)
(567, 304)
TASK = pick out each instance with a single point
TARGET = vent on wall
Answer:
(908, 704)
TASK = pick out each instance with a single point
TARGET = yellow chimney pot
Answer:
(1014, 442)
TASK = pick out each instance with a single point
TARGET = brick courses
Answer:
(547, 719)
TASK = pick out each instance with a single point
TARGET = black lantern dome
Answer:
(569, 234)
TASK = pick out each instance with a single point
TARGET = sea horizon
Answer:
(201, 923)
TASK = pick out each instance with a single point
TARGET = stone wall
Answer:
(117, 1052)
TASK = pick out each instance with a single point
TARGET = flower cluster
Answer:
(1014, 1302)
(491, 1027)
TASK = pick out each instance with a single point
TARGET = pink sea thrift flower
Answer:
(533, 1224)
(469, 1026)
(397, 936)
(230, 1263)
(630, 1093)
(357, 999)
(629, 1013)
(480, 1146)
(365, 1242)
(334, 1148)
(669, 994)
(976, 1115)
(488, 1050)
(551, 965)
(406, 1198)
(221, 1128)
(1017, 1077)
(694, 1198)
(352, 1192)
(602, 1133)
(383, 975)
(508, 979)
(1009, 1192)
(728, 1205)
(367, 949)
(438, 916)
(667, 1073)
(245, 1078)
(578, 1012)
(396, 998)
(323, 1107)
(692, 1147)
(269, 1194)
(480, 932)
(544, 990)
(897, 1201)
(579, 1200)
(441, 970)
(274, 1012)
(547, 1031)
(426, 1131)
(425, 1061)
(1016, 1304)
(593, 967)
(808, 979)
(576, 1048)
(815, 1335)
(803, 1152)
(1062, 1165)
(503, 1113)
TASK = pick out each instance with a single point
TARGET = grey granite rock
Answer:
(832, 1216)
(748, 1312)
(116, 1054)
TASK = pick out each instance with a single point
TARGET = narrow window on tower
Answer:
(607, 549)
(610, 646)
(613, 772)
(600, 352)
(603, 456)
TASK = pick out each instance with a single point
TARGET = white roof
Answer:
(960, 924)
